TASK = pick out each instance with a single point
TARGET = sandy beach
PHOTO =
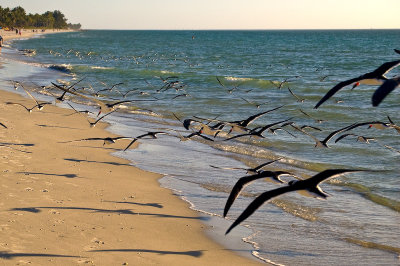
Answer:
(26, 33)
(73, 203)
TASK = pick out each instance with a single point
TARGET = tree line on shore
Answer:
(17, 18)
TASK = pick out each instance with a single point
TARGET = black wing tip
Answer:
(230, 228)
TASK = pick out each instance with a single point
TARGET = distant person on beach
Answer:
(1, 42)
(16, 31)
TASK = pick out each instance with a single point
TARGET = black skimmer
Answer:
(257, 132)
(254, 103)
(38, 105)
(78, 112)
(295, 96)
(152, 135)
(93, 124)
(197, 133)
(106, 140)
(393, 125)
(311, 185)
(250, 119)
(324, 143)
(310, 127)
(108, 89)
(375, 77)
(315, 119)
(245, 180)
(26, 108)
(359, 138)
(254, 170)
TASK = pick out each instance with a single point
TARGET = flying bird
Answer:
(324, 143)
(38, 105)
(375, 77)
(93, 124)
(311, 185)
(295, 96)
(315, 119)
(246, 180)
(359, 138)
(254, 170)
(257, 132)
(152, 135)
(106, 140)
(26, 108)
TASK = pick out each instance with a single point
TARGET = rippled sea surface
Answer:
(229, 76)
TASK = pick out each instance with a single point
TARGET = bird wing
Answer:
(332, 134)
(343, 136)
(30, 95)
(227, 168)
(260, 200)
(264, 164)
(100, 103)
(220, 82)
(383, 69)
(240, 184)
(250, 119)
(271, 125)
(204, 137)
(384, 90)
(294, 95)
(307, 126)
(335, 89)
(238, 136)
(317, 141)
(327, 174)
(130, 144)
(103, 116)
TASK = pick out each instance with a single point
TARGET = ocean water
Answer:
(358, 224)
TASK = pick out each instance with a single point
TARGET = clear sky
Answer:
(221, 14)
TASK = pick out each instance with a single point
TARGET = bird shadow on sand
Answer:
(88, 161)
(17, 144)
(51, 126)
(155, 205)
(117, 211)
(98, 147)
(48, 174)
(192, 253)
(8, 255)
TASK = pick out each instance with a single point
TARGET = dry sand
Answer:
(73, 203)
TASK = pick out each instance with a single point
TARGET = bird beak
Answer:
(355, 85)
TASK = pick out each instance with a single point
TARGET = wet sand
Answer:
(73, 203)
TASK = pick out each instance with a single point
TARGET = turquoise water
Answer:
(359, 223)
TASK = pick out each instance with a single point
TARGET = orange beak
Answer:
(356, 84)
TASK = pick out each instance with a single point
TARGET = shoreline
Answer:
(25, 217)
(11, 35)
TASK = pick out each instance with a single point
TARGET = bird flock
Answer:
(214, 129)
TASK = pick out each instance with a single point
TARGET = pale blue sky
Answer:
(221, 14)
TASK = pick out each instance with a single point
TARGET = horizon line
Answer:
(283, 29)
